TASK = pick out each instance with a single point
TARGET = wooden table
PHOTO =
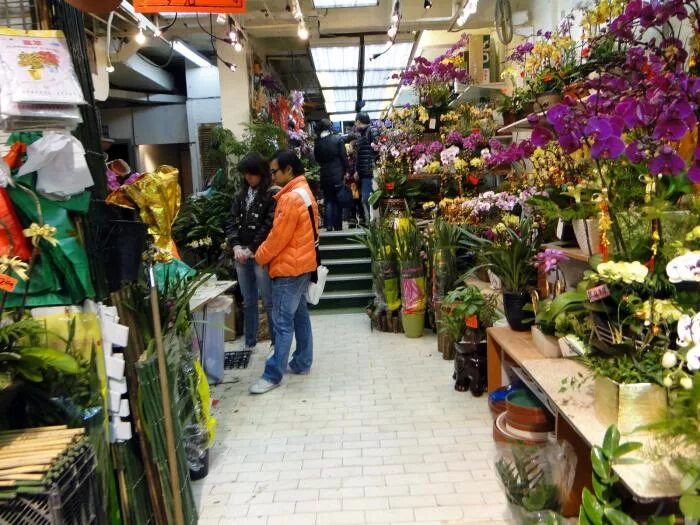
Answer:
(646, 477)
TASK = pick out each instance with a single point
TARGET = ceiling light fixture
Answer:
(302, 30)
(469, 9)
(395, 22)
(140, 37)
(110, 68)
(190, 54)
(221, 19)
(427, 4)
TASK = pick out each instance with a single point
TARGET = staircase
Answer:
(349, 282)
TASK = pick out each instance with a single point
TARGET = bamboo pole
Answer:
(165, 400)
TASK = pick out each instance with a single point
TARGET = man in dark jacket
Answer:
(248, 225)
(365, 158)
(329, 152)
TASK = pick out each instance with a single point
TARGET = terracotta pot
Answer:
(501, 434)
(95, 6)
(524, 411)
(547, 345)
(629, 406)
(547, 99)
(587, 235)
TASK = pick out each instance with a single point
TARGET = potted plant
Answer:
(466, 314)
(511, 106)
(410, 253)
(511, 258)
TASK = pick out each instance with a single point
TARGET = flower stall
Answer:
(575, 199)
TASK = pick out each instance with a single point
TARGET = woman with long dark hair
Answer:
(250, 222)
(329, 152)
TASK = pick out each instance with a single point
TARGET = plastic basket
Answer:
(71, 499)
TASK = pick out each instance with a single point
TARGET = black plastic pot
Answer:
(513, 303)
(203, 470)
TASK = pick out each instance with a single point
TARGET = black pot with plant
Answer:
(510, 257)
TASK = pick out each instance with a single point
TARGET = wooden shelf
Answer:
(571, 252)
(644, 474)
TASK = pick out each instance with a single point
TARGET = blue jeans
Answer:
(253, 280)
(291, 319)
(366, 191)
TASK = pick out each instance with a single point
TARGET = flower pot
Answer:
(393, 205)
(629, 406)
(434, 119)
(587, 235)
(413, 323)
(547, 99)
(513, 303)
(524, 412)
(445, 342)
(547, 345)
(509, 117)
(483, 275)
(565, 231)
(528, 107)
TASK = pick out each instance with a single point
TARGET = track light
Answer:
(233, 67)
(140, 37)
(303, 32)
(110, 68)
(392, 32)
(427, 4)
(221, 19)
(238, 47)
(395, 17)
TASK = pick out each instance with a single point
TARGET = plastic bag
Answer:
(413, 287)
(386, 283)
(536, 479)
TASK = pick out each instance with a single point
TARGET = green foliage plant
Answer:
(602, 507)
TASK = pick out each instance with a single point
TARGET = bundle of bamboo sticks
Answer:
(29, 456)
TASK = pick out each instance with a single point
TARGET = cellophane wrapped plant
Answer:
(411, 254)
(379, 240)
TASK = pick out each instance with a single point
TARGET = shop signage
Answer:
(190, 6)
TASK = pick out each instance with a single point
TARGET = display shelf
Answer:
(519, 344)
(523, 123)
(208, 292)
(645, 476)
(476, 91)
(572, 252)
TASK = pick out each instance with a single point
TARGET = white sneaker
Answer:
(262, 386)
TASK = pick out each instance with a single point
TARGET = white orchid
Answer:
(684, 268)
(693, 358)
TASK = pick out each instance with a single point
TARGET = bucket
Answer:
(413, 324)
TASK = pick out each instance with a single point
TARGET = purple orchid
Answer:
(666, 162)
(549, 259)
(435, 147)
(609, 148)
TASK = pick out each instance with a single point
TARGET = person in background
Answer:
(356, 213)
(248, 225)
(290, 251)
(365, 158)
(329, 152)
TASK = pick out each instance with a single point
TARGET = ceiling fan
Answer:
(504, 21)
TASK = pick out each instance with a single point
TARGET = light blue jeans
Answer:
(291, 320)
(254, 281)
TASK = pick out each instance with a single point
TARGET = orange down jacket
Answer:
(289, 249)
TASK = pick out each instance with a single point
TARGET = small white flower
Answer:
(683, 328)
(669, 360)
(686, 383)
(668, 381)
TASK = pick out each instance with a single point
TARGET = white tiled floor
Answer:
(376, 434)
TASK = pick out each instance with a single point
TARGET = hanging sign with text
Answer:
(189, 6)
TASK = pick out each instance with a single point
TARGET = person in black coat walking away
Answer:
(365, 158)
(329, 152)
(248, 225)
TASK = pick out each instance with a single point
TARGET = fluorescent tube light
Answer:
(190, 54)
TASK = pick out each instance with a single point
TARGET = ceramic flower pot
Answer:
(565, 231)
(587, 235)
(513, 303)
(629, 406)
(413, 324)
(547, 345)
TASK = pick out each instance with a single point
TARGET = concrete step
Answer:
(341, 251)
(348, 282)
(342, 237)
(359, 300)
(348, 265)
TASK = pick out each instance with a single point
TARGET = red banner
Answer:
(189, 6)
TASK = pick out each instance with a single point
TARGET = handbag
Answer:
(318, 277)
(345, 197)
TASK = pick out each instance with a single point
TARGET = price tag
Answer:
(7, 283)
(598, 293)
(472, 322)
(432, 123)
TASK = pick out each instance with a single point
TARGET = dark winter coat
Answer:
(249, 228)
(365, 155)
(330, 154)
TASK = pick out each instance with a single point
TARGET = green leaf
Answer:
(374, 198)
(617, 517)
(9, 356)
(599, 463)
(662, 520)
(599, 488)
(52, 358)
(690, 506)
(611, 441)
(29, 372)
(593, 508)
(582, 518)
(626, 448)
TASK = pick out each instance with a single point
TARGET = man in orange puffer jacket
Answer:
(290, 251)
